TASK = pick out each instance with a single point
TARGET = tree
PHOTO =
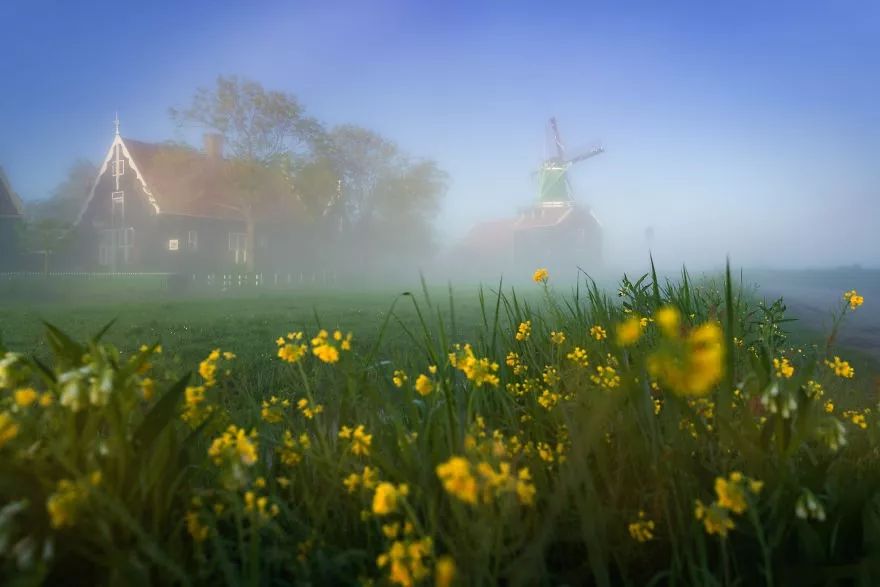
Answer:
(386, 199)
(262, 129)
(67, 198)
(47, 237)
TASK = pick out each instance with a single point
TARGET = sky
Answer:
(749, 129)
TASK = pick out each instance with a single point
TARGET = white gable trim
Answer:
(132, 165)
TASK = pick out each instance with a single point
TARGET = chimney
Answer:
(213, 145)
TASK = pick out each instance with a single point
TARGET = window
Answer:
(192, 240)
(126, 244)
(117, 206)
(173, 244)
(105, 248)
(238, 246)
(118, 167)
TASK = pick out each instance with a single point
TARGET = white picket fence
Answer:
(223, 281)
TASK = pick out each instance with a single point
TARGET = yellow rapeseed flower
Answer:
(359, 440)
(25, 396)
(457, 479)
(668, 318)
(386, 496)
(424, 385)
(524, 331)
(540, 275)
(716, 519)
(578, 356)
(692, 366)
(642, 529)
(598, 332)
(784, 369)
(841, 368)
(399, 378)
(444, 571)
(196, 529)
(854, 299)
(629, 331)
(557, 337)
(8, 428)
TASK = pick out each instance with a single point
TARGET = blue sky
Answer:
(749, 128)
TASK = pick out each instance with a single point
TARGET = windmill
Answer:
(557, 231)
(554, 188)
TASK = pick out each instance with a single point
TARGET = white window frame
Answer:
(126, 244)
(173, 244)
(118, 168)
(117, 199)
(192, 240)
(238, 246)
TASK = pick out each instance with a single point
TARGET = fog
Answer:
(749, 131)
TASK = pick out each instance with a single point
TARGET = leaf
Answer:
(160, 414)
(98, 335)
(62, 345)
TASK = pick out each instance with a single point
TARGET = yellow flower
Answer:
(525, 490)
(716, 519)
(272, 410)
(693, 366)
(8, 428)
(25, 396)
(641, 530)
(606, 376)
(730, 495)
(598, 332)
(540, 275)
(668, 319)
(197, 530)
(66, 503)
(829, 406)
(557, 337)
(148, 388)
(399, 378)
(784, 368)
(479, 371)
(458, 480)
(326, 353)
(234, 445)
(291, 353)
(578, 356)
(424, 385)
(444, 571)
(386, 496)
(841, 368)
(629, 331)
(360, 440)
(308, 410)
(523, 331)
(854, 299)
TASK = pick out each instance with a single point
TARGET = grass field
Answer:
(669, 432)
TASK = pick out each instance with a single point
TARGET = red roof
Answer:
(187, 182)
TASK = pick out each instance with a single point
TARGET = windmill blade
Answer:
(560, 147)
(591, 153)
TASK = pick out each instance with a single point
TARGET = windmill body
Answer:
(557, 231)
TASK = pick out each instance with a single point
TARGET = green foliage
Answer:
(572, 468)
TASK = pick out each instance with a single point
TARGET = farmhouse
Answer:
(171, 208)
(11, 220)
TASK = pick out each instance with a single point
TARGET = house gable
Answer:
(119, 144)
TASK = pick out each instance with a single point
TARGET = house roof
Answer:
(179, 180)
(10, 204)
